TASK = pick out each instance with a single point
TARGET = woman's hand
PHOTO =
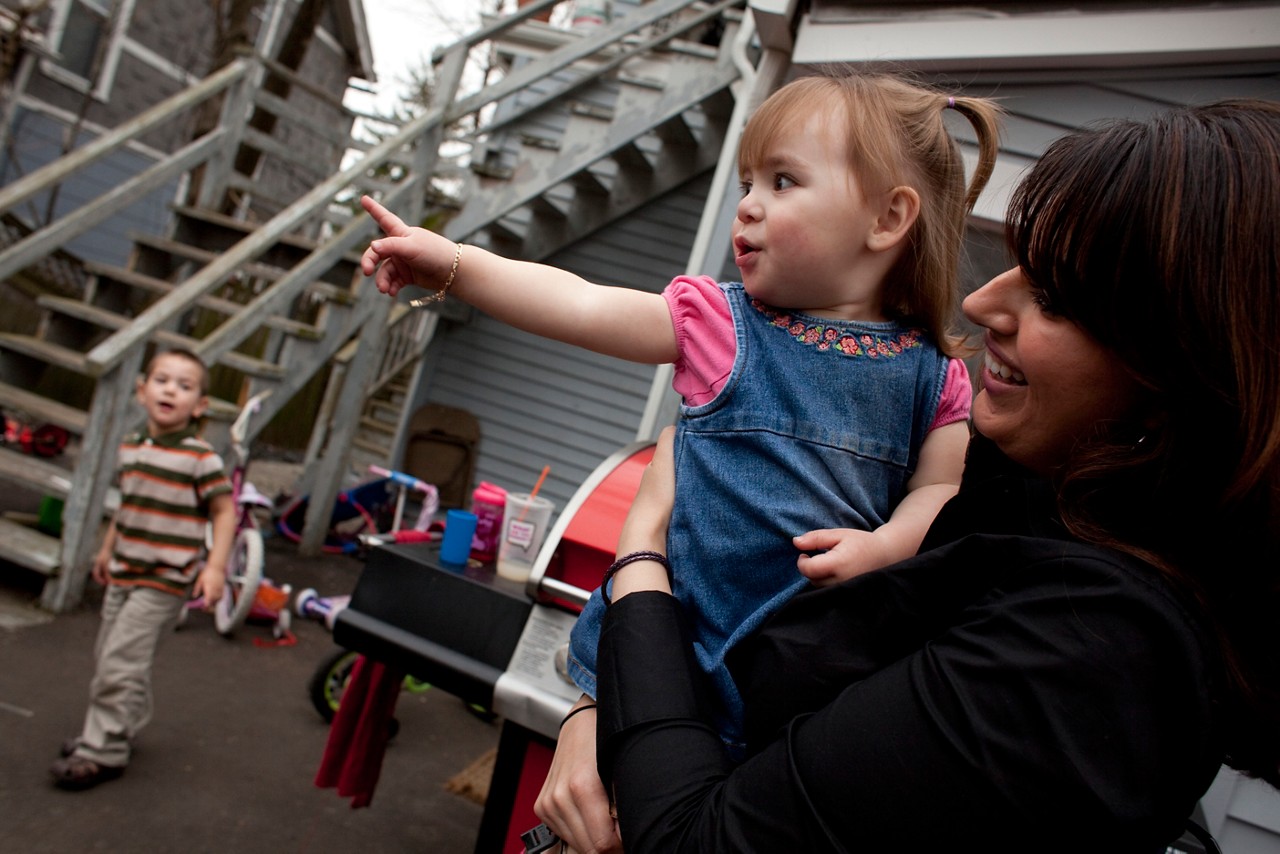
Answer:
(573, 801)
(645, 528)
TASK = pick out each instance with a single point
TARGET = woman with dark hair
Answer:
(1087, 632)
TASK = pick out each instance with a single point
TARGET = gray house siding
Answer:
(1038, 113)
(328, 67)
(165, 45)
(37, 142)
(540, 402)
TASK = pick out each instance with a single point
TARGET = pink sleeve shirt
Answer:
(707, 346)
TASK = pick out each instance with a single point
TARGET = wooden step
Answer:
(369, 444)
(246, 228)
(48, 478)
(237, 361)
(219, 233)
(379, 407)
(591, 111)
(268, 272)
(38, 473)
(42, 409)
(28, 547)
(378, 426)
(45, 351)
(81, 310)
(111, 320)
(227, 307)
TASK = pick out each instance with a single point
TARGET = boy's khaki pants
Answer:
(133, 620)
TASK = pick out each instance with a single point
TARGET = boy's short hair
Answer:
(181, 353)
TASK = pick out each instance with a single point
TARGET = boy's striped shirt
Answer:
(166, 483)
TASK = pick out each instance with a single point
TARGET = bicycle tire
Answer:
(329, 681)
(244, 574)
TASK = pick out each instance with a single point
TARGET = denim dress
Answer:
(819, 425)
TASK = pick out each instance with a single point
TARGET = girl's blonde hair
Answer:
(896, 136)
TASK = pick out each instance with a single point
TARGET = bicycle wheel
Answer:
(329, 681)
(244, 574)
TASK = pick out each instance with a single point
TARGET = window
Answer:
(87, 34)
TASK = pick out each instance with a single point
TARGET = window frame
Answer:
(114, 35)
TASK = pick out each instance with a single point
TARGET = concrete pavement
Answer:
(228, 761)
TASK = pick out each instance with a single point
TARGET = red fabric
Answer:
(358, 737)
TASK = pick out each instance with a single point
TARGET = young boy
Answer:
(171, 485)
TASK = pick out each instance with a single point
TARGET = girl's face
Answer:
(1045, 382)
(799, 237)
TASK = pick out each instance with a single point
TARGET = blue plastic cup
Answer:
(459, 528)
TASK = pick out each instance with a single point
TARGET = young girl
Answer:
(824, 419)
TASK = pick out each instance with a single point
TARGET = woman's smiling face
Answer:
(1046, 383)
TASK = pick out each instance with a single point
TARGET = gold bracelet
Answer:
(439, 295)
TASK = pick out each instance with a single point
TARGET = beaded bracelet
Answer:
(439, 295)
(618, 564)
(573, 712)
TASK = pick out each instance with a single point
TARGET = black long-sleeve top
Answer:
(1011, 689)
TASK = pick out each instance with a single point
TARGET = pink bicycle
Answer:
(247, 592)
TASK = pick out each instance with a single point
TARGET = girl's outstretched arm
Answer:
(537, 298)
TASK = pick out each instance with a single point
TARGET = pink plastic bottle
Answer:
(488, 502)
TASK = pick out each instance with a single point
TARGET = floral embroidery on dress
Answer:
(841, 340)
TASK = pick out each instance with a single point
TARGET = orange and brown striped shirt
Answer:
(166, 483)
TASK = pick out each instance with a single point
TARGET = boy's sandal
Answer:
(68, 747)
(78, 772)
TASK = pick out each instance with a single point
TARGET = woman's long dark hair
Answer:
(1161, 239)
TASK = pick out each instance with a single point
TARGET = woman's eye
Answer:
(1042, 300)
(782, 182)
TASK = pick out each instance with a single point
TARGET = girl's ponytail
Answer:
(985, 118)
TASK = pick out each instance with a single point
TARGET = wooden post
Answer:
(236, 105)
(350, 403)
(83, 512)
(354, 394)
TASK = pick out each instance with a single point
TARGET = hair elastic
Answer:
(951, 102)
(624, 561)
(573, 712)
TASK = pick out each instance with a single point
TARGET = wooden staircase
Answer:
(593, 128)
(604, 136)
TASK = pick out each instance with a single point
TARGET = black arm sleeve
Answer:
(665, 763)
(1066, 708)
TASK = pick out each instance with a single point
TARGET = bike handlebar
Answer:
(405, 480)
(241, 424)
